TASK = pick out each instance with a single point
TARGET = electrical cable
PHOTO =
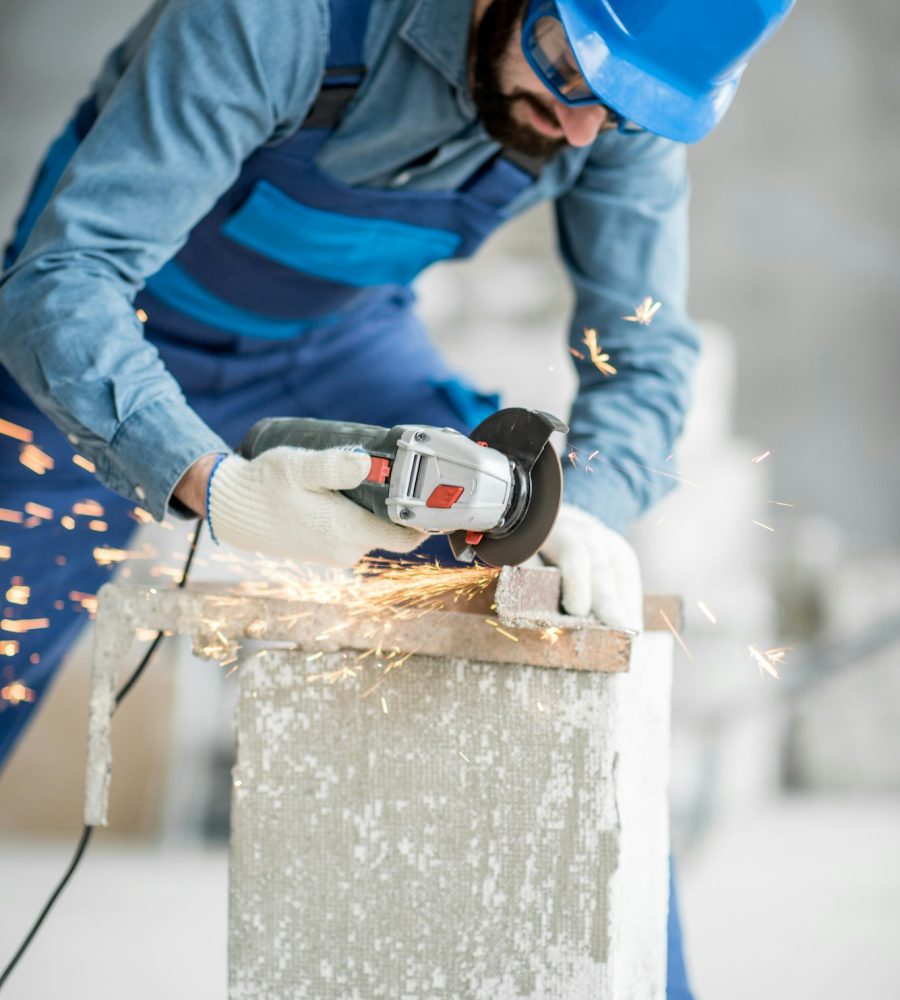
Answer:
(36, 926)
(87, 831)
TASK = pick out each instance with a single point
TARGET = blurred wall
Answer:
(796, 236)
(796, 242)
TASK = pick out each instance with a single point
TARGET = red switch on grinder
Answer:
(444, 496)
(379, 470)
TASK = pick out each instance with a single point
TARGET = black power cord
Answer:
(85, 838)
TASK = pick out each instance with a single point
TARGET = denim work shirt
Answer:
(194, 89)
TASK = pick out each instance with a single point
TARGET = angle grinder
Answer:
(496, 493)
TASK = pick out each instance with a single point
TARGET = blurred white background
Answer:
(785, 794)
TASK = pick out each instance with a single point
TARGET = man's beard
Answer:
(492, 40)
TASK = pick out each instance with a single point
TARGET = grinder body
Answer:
(435, 479)
(429, 478)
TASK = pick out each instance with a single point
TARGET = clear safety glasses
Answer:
(550, 55)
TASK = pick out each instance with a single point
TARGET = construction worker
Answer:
(261, 183)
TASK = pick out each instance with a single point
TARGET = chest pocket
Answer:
(349, 249)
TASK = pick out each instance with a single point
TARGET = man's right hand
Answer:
(285, 503)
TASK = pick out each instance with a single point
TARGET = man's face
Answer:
(514, 105)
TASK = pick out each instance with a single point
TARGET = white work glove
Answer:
(599, 570)
(283, 503)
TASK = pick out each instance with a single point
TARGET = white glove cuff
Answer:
(236, 512)
(219, 459)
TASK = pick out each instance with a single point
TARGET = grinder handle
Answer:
(317, 435)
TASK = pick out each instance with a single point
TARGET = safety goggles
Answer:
(550, 55)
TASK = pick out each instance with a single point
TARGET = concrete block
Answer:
(486, 831)
(528, 597)
(219, 618)
(486, 819)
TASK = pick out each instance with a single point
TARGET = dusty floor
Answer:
(800, 900)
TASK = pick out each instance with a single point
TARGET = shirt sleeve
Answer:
(212, 81)
(623, 236)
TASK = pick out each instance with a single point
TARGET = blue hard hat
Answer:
(671, 66)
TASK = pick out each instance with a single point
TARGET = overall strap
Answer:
(531, 165)
(344, 68)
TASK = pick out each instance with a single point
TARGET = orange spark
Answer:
(771, 659)
(38, 510)
(18, 594)
(24, 624)
(11, 516)
(88, 508)
(87, 601)
(171, 571)
(403, 589)
(502, 631)
(15, 431)
(141, 315)
(9, 648)
(33, 458)
(84, 463)
(599, 360)
(98, 525)
(656, 472)
(5, 552)
(330, 676)
(707, 612)
(576, 354)
(678, 638)
(644, 312)
(67, 522)
(16, 693)
(106, 556)
(142, 516)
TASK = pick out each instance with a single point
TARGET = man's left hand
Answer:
(599, 570)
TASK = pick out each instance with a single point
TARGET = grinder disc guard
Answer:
(522, 435)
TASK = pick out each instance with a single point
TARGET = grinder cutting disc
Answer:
(531, 533)
(522, 435)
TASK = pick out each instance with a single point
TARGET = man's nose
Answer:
(580, 123)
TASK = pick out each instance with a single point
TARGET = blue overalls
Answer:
(291, 297)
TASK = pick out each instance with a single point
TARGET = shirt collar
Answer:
(439, 31)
